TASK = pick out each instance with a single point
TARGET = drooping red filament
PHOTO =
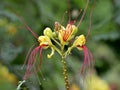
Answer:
(39, 65)
(88, 63)
(32, 61)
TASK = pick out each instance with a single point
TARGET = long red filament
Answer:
(27, 27)
(39, 65)
(83, 14)
(89, 29)
(62, 21)
(26, 58)
(88, 60)
(23, 21)
(69, 19)
(31, 62)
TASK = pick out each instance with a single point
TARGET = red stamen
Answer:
(88, 60)
(31, 62)
(39, 65)
(27, 56)
(69, 11)
(89, 29)
(83, 13)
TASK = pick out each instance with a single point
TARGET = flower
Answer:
(80, 41)
(44, 43)
(66, 34)
(88, 58)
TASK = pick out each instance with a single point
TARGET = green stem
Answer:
(65, 73)
(57, 50)
(56, 41)
(63, 55)
(69, 51)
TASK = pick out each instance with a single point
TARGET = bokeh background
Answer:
(103, 42)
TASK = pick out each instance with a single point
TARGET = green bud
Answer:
(75, 29)
(54, 34)
(48, 32)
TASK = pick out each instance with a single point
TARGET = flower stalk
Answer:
(65, 73)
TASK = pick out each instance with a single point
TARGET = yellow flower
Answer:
(66, 34)
(44, 41)
(80, 41)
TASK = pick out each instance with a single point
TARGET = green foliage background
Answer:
(15, 40)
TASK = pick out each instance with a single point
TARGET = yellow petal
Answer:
(80, 41)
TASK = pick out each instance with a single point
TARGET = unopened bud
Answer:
(75, 29)
(48, 32)
(54, 34)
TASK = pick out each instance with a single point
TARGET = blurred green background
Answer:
(103, 42)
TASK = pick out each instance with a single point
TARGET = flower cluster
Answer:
(62, 36)
(56, 39)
